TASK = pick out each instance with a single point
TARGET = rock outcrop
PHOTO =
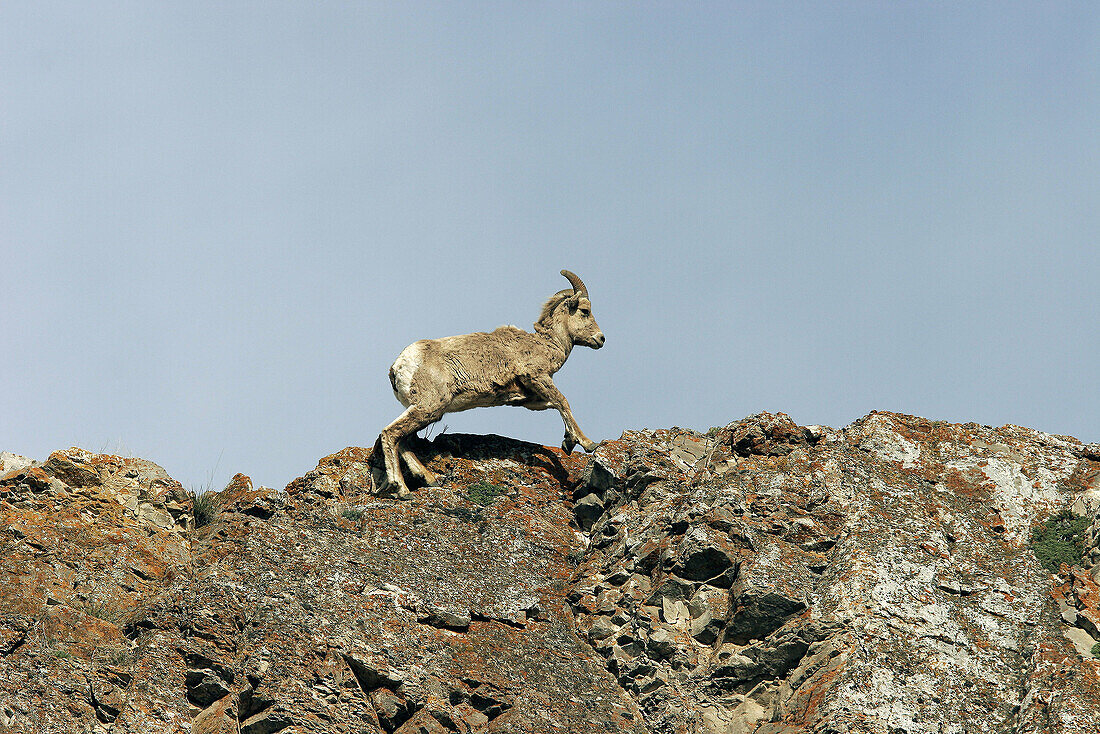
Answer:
(762, 578)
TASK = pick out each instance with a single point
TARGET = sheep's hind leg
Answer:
(389, 481)
(409, 422)
(416, 466)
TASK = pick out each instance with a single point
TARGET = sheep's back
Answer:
(467, 371)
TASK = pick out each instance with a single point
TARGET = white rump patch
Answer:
(404, 370)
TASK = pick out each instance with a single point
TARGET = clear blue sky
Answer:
(220, 222)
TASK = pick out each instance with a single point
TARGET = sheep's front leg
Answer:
(547, 392)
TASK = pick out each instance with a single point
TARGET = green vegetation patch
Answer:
(204, 507)
(1096, 650)
(352, 513)
(1061, 539)
(483, 493)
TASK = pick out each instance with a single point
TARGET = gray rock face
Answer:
(875, 579)
(765, 578)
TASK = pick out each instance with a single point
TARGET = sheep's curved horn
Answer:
(578, 285)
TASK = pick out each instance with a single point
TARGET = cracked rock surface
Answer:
(763, 578)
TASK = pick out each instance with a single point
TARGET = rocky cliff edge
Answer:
(763, 578)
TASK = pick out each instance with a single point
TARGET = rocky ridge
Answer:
(761, 578)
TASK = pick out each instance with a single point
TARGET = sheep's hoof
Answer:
(568, 444)
(390, 488)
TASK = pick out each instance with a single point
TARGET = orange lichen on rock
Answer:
(764, 578)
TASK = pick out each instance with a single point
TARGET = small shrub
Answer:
(1096, 650)
(483, 493)
(118, 655)
(106, 609)
(1061, 539)
(352, 513)
(204, 507)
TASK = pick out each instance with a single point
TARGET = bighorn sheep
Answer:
(508, 366)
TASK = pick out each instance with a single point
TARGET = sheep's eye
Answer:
(585, 312)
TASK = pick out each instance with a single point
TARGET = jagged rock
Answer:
(661, 644)
(601, 629)
(428, 722)
(392, 708)
(267, 722)
(765, 434)
(765, 578)
(73, 467)
(10, 462)
(598, 476)
(218, 718)
(204, 687)
(588, 510)
(702, 557)
(759, 615)
(807, 517)
(458, 619)
(709, 609)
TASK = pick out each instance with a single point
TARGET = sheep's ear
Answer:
(572, 303)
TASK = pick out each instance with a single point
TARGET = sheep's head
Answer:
(579, 322)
